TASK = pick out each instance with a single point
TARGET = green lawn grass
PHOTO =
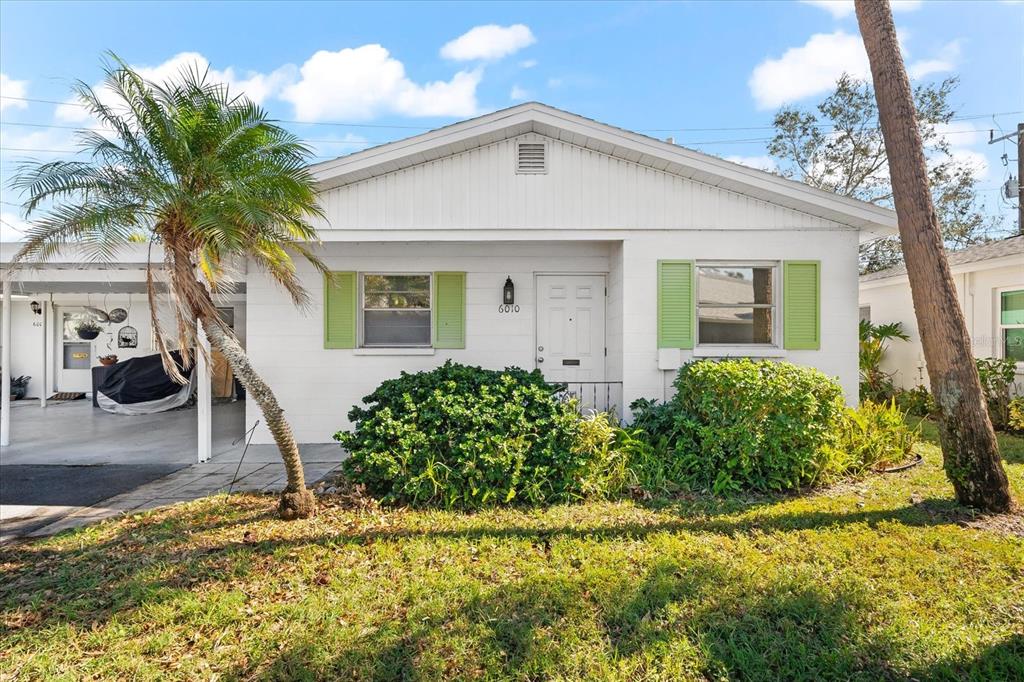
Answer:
(881, 578)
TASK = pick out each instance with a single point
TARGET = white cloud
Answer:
(528, 63)
(488, 42)
(256, 86)
(358, 83)
(12, 88)
(808, 70)
(518, 93)
(840, 9)
(945, 61)
(765, 163)
(814, 67)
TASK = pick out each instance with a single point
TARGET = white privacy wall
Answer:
(317, 386)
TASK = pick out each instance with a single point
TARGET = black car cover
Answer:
(143, 384)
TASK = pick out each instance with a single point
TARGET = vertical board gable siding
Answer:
(583, 189)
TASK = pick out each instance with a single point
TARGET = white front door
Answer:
(570, 327)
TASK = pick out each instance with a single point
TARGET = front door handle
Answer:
(540, 360)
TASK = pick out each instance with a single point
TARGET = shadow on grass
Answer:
(676, 620)
(154, 562)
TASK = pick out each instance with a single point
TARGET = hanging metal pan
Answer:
(100, 315)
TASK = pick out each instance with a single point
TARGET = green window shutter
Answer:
(340, 293)
(675, 304)
(1011, 307)
(449, 310)
(801, 315)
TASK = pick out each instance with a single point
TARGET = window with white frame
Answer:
(395, 310)
(737, 304)
(1011, 324)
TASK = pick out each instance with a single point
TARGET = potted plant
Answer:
(19, 387)
(88, 330)
(107, 360)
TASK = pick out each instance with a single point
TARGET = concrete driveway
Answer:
(71, 464)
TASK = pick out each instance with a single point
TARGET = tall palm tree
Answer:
(969, 449)
(207, 177)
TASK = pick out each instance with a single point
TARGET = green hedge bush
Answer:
(741, 424)
(466, 437)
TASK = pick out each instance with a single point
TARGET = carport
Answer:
(34, 340)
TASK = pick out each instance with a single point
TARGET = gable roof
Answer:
(1003, 248)
(873, 221)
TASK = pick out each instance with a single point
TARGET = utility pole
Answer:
(1020, 172)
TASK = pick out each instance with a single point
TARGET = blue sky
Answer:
(675, 69)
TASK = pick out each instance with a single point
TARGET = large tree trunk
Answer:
(296, 500)
(969, 449)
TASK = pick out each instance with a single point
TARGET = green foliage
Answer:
(837, 146)
(740, 424)
(997, 376)
(875, 384)
(604, 459)
(871, 436)
(88, 326)
(186, 164)
(467, 437)
(916, 401)
(1016, 415)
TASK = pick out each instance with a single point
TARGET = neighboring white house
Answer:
(989, 279)
(626, 255)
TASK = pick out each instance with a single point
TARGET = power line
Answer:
(965, 117)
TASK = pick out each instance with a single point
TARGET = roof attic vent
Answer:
(531, 158)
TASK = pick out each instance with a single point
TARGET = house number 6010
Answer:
(508, 308)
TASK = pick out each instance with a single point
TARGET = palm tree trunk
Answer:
(296, 500)
(969, 448)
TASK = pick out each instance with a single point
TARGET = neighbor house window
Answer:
(1011, 324)
(736, 304)
(396, 310)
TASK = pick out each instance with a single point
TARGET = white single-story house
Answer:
(989, 279)
(537, 238)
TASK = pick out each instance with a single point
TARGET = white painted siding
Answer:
(583, 189)
(978, 294)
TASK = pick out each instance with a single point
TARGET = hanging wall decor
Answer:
(118, 315)
(127, 337)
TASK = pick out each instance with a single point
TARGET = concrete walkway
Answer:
(123, 440)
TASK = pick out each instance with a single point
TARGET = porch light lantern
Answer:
(508, 292)
(36, 308)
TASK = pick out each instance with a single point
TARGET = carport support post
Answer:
(204, 396)
(5, 366)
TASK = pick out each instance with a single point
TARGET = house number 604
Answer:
(508, 308)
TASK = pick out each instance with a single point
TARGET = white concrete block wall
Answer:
(836, 249)
(318, 386)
